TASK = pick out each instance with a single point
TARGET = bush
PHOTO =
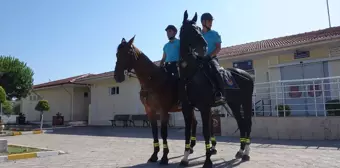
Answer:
(333, 107)
(7, 107)
(283, 108)
(42, 106)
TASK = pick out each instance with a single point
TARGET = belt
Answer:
(172, 62)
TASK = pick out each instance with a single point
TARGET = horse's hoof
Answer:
(153, 159)
(213, 151)
(191, 150)
(164, 161)
(207, 164)
(245, 158)
(184, 163)
(239, 155)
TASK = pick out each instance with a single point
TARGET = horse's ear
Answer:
(185, 16)
(123, 40)
(194, 19)
(131, 40)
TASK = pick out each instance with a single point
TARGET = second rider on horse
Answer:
(171, 51)
(214, 46)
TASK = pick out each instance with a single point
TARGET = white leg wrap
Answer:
(247, 150)
(186, 155)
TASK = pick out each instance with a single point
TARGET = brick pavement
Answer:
(104, 147)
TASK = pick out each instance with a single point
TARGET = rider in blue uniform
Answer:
(171, 51)
(214, 46)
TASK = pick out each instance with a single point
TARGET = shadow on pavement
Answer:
(178, 134)
(170, 165)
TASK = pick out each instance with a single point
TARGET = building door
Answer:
(299, 95)
(292, 91)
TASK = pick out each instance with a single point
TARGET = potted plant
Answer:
(282, 109)
(21, 119)
(58, 119)
(42, 106)
(333, 107)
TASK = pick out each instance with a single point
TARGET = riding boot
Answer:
(219, 94)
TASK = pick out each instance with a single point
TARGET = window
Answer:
(114, 90)
(86, 94)
(33, 97)
(301, 54)
(246, 65)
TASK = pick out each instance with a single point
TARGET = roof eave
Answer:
(278, 49)
(57, 85)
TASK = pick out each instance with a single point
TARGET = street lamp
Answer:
(329, 16)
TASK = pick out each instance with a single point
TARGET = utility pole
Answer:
(329, 16)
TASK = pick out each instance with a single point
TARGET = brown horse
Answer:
(159, 93)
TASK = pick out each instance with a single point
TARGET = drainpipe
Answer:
(71, 96)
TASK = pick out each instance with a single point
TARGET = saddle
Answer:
(230, 83)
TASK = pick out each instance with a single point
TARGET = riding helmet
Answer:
(171, 27)
(206, 16)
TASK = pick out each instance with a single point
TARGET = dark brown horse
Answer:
(159, 93)
(197, 90)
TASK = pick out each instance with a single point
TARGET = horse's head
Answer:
(191, 37)
(126, 55)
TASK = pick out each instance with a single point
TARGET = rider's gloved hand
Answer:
(207, 58)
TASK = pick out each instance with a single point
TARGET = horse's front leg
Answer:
(164, 134)
(213, 139)
(206, 120)
(187, 113)
(193, 133)
(153, 120)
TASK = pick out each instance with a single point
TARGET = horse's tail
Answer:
(227, 108)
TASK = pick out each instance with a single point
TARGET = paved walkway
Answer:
(104, 147)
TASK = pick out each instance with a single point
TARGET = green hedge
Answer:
(283, 108)
(333, 107)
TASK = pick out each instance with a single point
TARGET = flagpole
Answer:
(329, 17)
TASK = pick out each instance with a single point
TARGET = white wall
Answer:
(104, 106)
(8, 119)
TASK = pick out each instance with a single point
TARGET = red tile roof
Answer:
(264, 45)
(69, 80)
(281, 42)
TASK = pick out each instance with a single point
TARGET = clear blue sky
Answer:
(64, 38)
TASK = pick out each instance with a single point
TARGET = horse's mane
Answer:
(135, 49)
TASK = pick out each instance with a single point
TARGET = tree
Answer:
(42, 106)
(2, 95)
(15, 77)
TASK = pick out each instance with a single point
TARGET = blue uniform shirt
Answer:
(212, 37)
(171, 50)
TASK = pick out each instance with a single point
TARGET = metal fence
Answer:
(304, 97)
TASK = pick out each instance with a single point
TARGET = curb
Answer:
(16, 133)
(29, 155)
(40, 154)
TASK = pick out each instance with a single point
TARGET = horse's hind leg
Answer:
(247, 108)
(193, 133)
(153, 120)
(164, 134)
(235, 107)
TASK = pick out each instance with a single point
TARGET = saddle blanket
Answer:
(228, 78)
